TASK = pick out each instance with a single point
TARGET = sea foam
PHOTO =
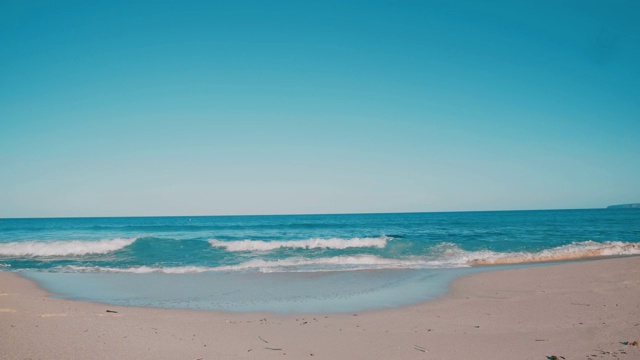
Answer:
(335, 263)
(63, 248)
(573, 251)
(291, 264)
(443, 256)
(333, 243)
(137, 269)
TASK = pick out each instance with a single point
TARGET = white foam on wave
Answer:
(333, 243)
(63, 248)
(443, 255)
(137, 269)
(336, 263)
(292, 264)
(573, 251)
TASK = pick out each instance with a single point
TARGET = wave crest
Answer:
(443, 255)
(292, 264)
(63, 248)
(573, 251)
(333, 243)
(137, 269)
(336, 263)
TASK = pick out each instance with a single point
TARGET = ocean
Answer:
(298, 263)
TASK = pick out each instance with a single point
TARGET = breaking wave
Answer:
(336, 263)
(63, 248)
(440, 256)
(137, 269)
(293, 264)
(334, 243)
(573, 251)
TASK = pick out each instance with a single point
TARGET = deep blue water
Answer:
(297, 262)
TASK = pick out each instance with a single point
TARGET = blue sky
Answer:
(121, 108)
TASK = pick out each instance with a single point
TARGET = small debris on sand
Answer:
(420, 348)
(51, 315)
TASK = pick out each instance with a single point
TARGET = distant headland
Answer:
(625, 206)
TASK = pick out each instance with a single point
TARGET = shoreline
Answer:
(574, 309)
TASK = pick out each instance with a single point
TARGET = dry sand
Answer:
(574, 310)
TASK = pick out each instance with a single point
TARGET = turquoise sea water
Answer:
(297, 263)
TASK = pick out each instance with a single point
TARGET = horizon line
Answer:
(299, 214)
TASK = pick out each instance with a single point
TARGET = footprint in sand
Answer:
(52, 315)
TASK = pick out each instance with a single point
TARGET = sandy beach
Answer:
(577, 310)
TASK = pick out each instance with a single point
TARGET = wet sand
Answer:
(576, 310)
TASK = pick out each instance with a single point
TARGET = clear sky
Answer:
(118, 108)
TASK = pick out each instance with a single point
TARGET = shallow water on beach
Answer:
(297, 263)
(326, 292)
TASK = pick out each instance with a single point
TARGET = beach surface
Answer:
(576, 310)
